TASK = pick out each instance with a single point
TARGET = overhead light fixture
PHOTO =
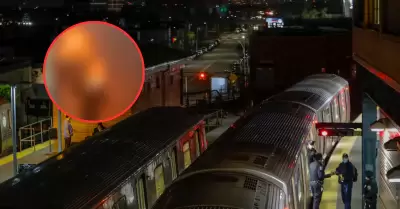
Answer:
(383, 124)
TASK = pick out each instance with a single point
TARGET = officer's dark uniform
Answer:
(317, 176)
(347, 174)
(370, 191)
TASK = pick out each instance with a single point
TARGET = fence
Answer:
(214, 120)
(34, 133)
(208, 97)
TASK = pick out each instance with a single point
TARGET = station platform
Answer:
(331, 197)
(226, 123)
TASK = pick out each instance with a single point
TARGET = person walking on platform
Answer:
(347, 174)
(370, 191)
(68, 131)
(317, 176)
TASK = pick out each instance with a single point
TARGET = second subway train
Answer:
(261, 161)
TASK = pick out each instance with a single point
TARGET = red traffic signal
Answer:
(336, 132)
(202, 76)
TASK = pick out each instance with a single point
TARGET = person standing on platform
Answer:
(347, 174)
(370, 191)
(68, 131)
(317, 177)
(100, 127)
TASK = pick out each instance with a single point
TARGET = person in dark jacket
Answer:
(317, 177)
(370, 191)
(100, 127)
(347, 174)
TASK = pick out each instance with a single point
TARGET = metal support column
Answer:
(369, 115)
(14, 127)
(60, 125)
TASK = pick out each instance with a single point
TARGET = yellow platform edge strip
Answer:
(24, 153)
(331, 185)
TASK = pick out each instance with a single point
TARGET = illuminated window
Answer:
(186, 155)
(377, 18)
(159, 179)
(173, 164)
(140, 193)
(197, 138)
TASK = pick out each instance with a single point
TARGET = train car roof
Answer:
(276, 130)
(97, 165)
(315, 91)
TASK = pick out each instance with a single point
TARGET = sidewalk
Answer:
(331, 198)
(226, 123)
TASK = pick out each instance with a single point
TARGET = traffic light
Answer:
(202, 76)
(337, 132)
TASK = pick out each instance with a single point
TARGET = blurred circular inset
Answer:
(93, 71)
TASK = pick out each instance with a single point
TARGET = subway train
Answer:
(261, 160)
(125, 167)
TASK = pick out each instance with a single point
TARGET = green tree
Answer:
(5, 92)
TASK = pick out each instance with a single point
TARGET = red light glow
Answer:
(324, 133)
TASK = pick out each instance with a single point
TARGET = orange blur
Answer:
(93, 72)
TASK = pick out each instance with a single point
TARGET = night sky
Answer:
(45, 3)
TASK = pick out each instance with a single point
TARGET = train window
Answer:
(120, 204)
(335, 110)
(197, 138)
(173, 161)
(186, 155)
(159, 179)
(342, 102)
(141, 193)
(327, 115)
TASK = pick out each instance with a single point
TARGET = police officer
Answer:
(370, 191)
(311, 152)
(317, 176)
(347, 174)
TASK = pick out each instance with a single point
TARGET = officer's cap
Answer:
(345, 155)
(369, 174)
(318, 156)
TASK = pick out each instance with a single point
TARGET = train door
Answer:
(342, 106)
(159, 180)
(335, 116)
(141, 193)
(327, 119)
(198, 143)
(173, 162)
(187, 160)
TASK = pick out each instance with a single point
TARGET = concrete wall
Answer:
(381, 51)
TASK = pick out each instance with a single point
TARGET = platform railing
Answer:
(34, 132)
(214, 120)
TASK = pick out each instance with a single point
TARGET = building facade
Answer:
(376, 51)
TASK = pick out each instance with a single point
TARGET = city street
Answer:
(213, 63)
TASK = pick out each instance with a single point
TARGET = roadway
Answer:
(213, 63)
